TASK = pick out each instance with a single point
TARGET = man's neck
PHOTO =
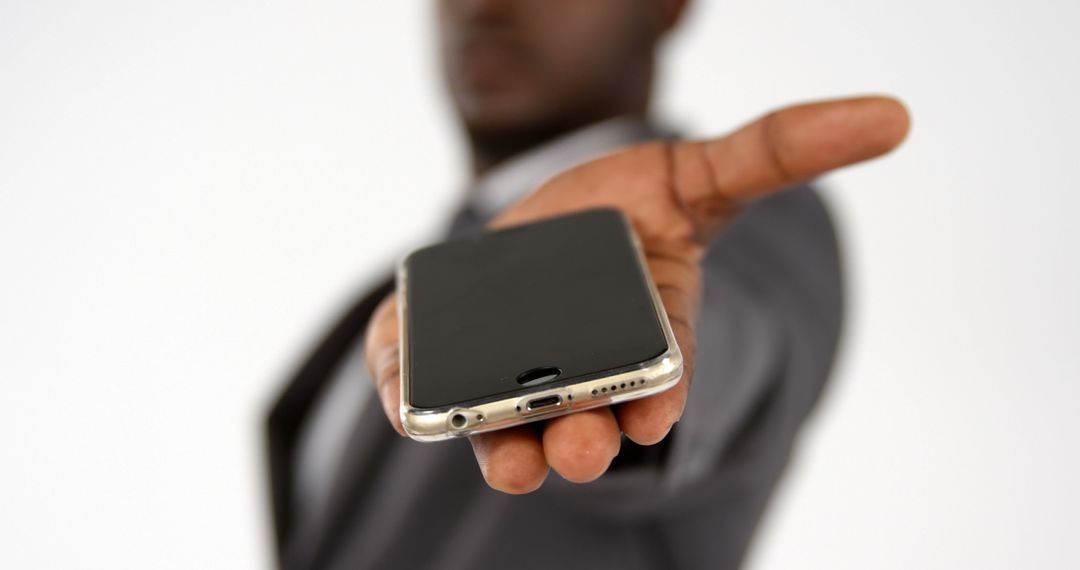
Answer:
(489, 151)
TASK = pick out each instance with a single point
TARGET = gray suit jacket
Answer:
(767, 334)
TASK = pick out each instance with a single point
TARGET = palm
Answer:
(676, 195)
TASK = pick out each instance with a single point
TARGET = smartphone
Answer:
(527, 323)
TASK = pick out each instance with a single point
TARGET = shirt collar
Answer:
(516, 177)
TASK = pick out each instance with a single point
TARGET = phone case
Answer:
(530, 322)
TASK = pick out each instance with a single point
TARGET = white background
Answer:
(189, 191)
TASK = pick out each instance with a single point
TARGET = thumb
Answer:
(780, 149)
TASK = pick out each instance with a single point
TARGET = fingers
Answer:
(581, 446)
(511, 460)
(383, 357)
(780, 149)
(677, 276)
(647, 421)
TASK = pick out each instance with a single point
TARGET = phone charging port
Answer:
(545, 402)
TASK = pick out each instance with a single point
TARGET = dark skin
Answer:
(677, 195)
(521, 72)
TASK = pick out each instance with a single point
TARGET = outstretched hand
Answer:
(676, 195)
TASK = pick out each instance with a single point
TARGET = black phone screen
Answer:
(556, 301)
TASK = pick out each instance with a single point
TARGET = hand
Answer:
(677, 195)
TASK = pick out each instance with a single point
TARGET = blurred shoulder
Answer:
(798, 211)
(783, 246)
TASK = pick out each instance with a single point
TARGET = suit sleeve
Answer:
(767, 335)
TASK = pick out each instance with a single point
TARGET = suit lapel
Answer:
(295, 401)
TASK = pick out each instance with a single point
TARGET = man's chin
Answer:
(495, 125)
(494, 115)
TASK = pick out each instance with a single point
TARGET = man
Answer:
(754, 298)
